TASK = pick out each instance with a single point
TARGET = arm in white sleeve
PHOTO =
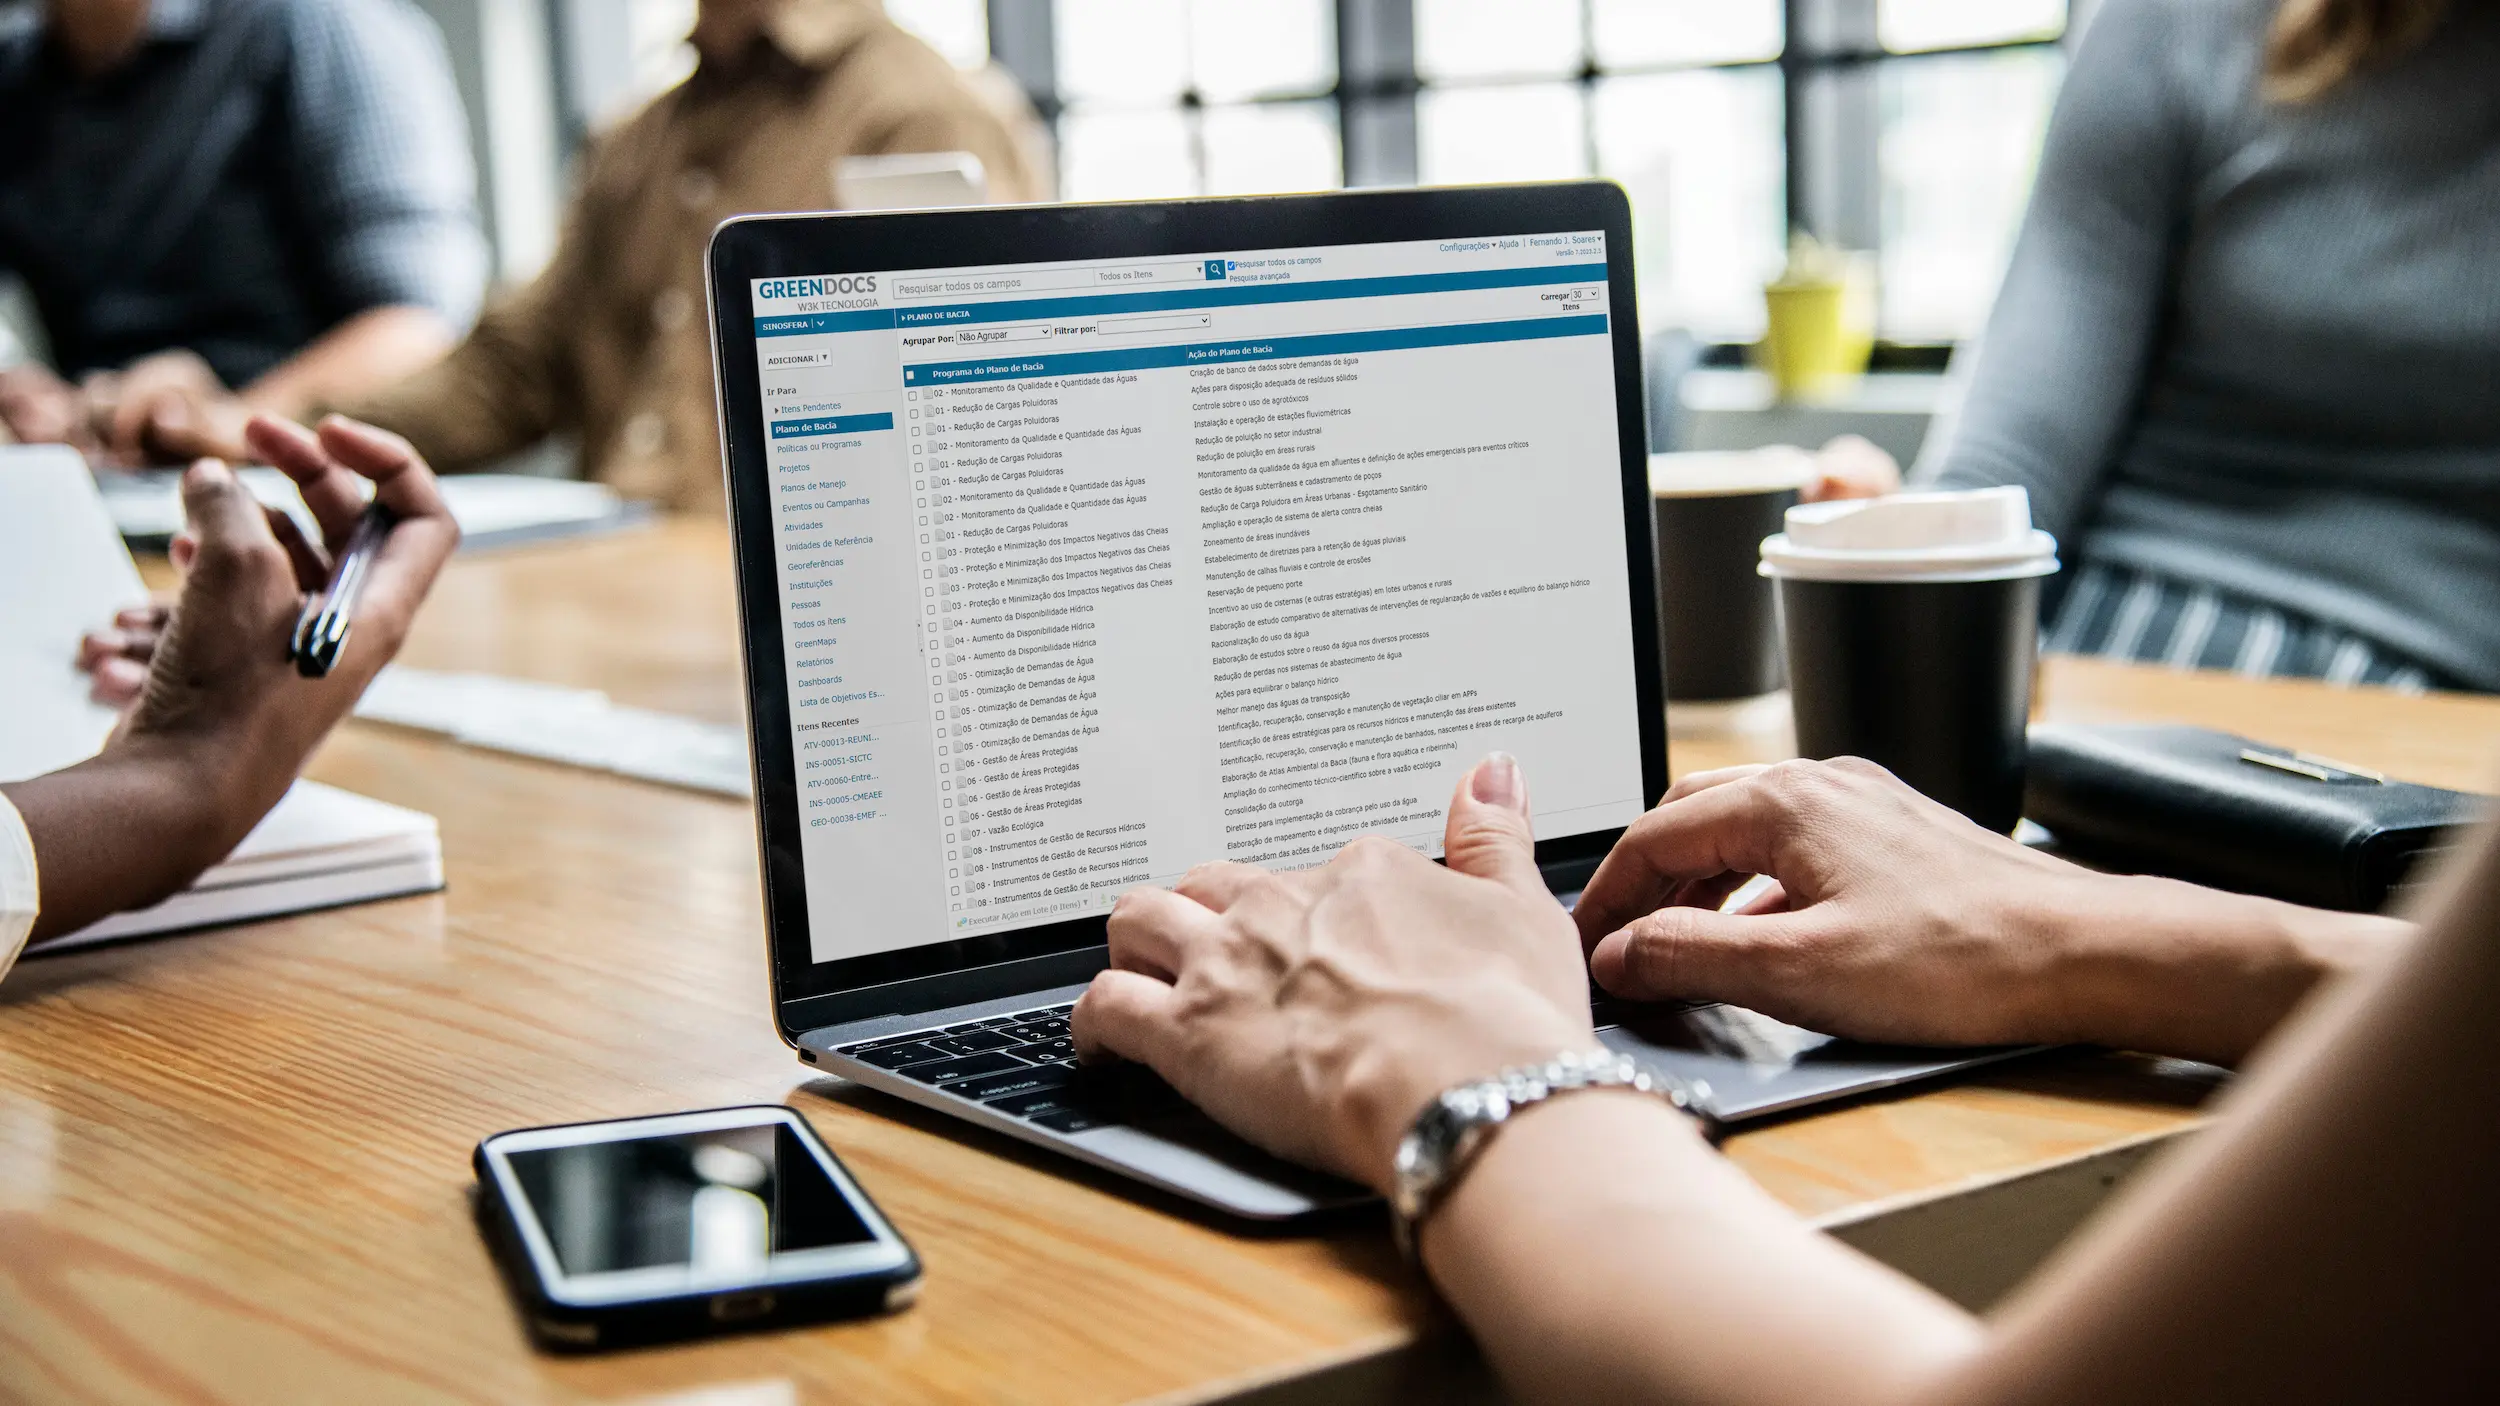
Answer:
(20, 897)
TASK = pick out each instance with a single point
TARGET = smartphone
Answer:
(650, 1229)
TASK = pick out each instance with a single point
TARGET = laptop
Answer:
(1077, 545)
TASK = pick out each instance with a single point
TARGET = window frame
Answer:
(1831, 63)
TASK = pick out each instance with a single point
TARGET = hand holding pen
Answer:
(223, 720)
(388, 545)
(321, 631)
(381, 554)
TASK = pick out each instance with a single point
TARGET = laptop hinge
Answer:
(945, 990)
(1569, 875)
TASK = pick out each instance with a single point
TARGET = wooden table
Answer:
(234, 1166)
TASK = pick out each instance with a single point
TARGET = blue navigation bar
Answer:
(1257, 349)
(1227, 295)
(872, 320)
(832, 425)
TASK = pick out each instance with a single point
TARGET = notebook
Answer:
(63, 571)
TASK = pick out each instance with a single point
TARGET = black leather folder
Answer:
(2233, 813)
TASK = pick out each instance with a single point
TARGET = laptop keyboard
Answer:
(1023, 1065)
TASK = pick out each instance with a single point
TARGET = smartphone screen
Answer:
(713, 1202)
(651, 1208)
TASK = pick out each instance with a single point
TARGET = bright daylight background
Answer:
(1683, 101)
(1906, 127)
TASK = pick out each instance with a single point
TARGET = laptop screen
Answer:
(1094, 571)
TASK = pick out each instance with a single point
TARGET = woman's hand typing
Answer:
(1317, 1012)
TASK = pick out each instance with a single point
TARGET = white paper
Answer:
(574, 726)
(485, 505)
(321, 847)
(63, 572)
(318, 828)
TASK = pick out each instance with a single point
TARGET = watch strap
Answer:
(1452, 1129)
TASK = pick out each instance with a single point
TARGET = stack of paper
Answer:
(63, 571)
(578, 727)
(320, 848)
(493, 510)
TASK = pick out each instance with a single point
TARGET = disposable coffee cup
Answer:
(1718, 625)
(1911, 625)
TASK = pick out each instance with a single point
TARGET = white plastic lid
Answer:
(1980, 534)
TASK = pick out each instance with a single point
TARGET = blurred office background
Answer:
(1906, 128)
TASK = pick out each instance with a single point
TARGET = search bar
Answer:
(990, 285)
(1136, 326)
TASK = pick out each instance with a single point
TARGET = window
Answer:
(1207, 97)
(1906, 127)
(1962, 110)
(1912, 26)
(1700, 155)
(1680, 100)
(1961, 138)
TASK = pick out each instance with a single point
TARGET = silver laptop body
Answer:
(1213, 529)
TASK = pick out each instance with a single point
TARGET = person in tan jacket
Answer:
(609, 341)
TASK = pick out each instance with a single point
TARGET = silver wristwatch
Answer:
(1453, 1128)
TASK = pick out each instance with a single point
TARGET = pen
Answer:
(321, 632)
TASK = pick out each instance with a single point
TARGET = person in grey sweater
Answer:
(2247, 357)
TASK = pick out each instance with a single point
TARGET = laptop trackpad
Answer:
(1756, 1065)
(1189, 1150)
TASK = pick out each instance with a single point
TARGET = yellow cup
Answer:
(1819, 334)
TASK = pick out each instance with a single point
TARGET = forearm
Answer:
(370, 350)
(123, 830)
(2172, 968)
(1601, 1251)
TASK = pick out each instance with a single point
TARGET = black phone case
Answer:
(562, 1327)
(2185, 802)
